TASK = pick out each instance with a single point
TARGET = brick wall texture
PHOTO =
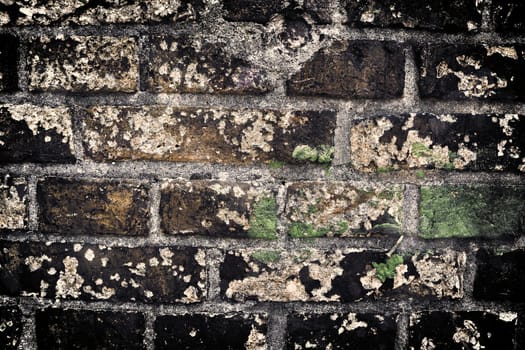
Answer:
(262, 174)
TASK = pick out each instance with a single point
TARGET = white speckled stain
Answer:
(468, 334)
(69, 282)
(35, 263)
(12, 206)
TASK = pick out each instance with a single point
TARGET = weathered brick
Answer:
(97, 272)
(48, 12)
(198, 331)
(193, 64)
(203, 135)
(316, 209)
(500, 276)
(83, 64)
(436, 15)
(336, 275)
(85, 329)
(218, 209)
(455, 72)
(340, 331)
(471, 211)
(262, 11)
(462, 330)
(73, 206)
(508, 15)
(482, 142)
(8, 63)
(10, 327)
(13, 202)
(36, 134)
(352, 69)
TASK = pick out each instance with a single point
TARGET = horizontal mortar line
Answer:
(155, 170)
(341, 31)
(349, 107)
(414, 246)
(387, 306)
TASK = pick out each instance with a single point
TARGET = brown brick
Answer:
(72, 206)
(352, 69)
(202, 135)
(191, 63)
(77, 271)
(8, 63)
(340, 275)
(316, 209)
(51, 13)
(38, 134)
(218, 209)
(13, 202)
(83, 64)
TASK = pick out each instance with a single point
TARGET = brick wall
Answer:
(229, 174)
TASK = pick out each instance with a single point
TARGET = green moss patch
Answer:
(322, 154)
(266, 256)
(387, 269)
(263, 221)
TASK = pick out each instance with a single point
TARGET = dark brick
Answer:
(340, 331)
(262, 11)
(354, 69)
(471, 211)
(456, 72)
(202, 135)
(48, 12)
(339, 275)
(435, 15)
(218, 209)
(232, 331)
(500, 276)
(10, 327)
(462, 330)
(35, 134)
(508, 15)
(8, 63)
(84, 329)
(72, 206)
(482, 142)
(316, 209)
(192, 64)
(97, 272)
(83, 64)
(13, 202)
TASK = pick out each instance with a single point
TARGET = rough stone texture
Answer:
(197, 331)
(215, 208)
(13, 201)
(343, 276)
(10, 327)
(462, 330)
(84, 329)
(202, 135)
(352, 69)
(85, 12)
(8, 59)
(83, 64)
(97, 272)
(315, 209)
(508, 15)
(446, 141)
(500, 276)
(456, 72)
(37, 134)
(263, 11)
(340, 331)
(471, 211)
(435, 15)
(192, 64)
(73, 206)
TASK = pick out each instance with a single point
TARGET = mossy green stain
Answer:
(275, 164)
(420, 150)
(322, 154)
(384, 169)
(263, 222)
(304, 230)
(471, 211)
(387, 269)
(420, 174)
(266, 256)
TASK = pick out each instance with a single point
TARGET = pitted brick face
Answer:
(8, 63)
(13, 202)
(10, 327)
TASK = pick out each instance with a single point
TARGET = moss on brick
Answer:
(322, 154)
(387, 269)
(470, 211)
(263, 222)
(266, 256)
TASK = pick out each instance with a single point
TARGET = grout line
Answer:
(149, 333)
(281, 231)
(487, 22)
(214, 257)
(411, 90)
(402, 334)
(277, 328)
(28, 337)
(32, 203)
(411, 210)
(154, 221)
